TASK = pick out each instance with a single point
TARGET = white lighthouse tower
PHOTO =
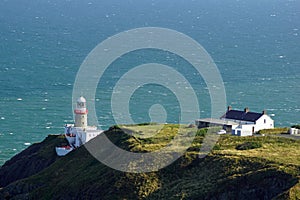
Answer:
(81, 113)
(79, 133)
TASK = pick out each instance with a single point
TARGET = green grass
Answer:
(149, 138)
(274, 131)
(272, 166)
(248, 145)
(278, 149)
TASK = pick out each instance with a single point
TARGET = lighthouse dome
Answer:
(81, 100)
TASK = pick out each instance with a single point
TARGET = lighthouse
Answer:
(79, 133)
(81, 113)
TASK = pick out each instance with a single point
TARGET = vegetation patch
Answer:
(296, 126)
(201, 132)
(271, 170)
(273, 131)
(274, 148)
(248, 145)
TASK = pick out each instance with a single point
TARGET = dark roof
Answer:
(241, 115)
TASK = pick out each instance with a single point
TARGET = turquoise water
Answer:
(255, 44)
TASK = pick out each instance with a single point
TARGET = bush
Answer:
(217, 147)
(296, 126)
(201, 132)
(145, 124)
(274, 131)
(248, 145)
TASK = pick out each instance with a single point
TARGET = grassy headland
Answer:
(269, 169)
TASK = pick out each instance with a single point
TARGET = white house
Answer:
(248, 122)
(240, 123)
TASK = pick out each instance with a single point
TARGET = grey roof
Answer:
(217, 121)
(241, 115)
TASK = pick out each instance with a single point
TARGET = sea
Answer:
(254, 43)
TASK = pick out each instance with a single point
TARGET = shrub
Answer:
(274, 131)
(201, 132)
(296, 126)
(248, 145)
(145, 124)
(217, 147)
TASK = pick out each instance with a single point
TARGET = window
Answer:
(239, 133)
(265, 121)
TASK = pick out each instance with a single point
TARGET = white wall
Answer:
(294, 131)
(80, 120)
(264, 122)
(248, 130)
(90, 134)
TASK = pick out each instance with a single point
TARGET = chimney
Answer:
(246, 110)
(264, 112)
(229, 108)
